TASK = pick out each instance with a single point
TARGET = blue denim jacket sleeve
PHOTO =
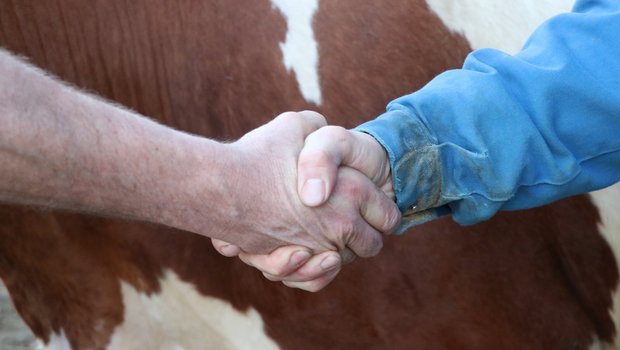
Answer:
(511, 132)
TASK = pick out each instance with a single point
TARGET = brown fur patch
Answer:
(537, 279)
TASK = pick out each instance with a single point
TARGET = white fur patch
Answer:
(14, 334)
(598, 345)
(300, 49)
(58, 342)
(608, 203)
(503, 25)
(181, 318)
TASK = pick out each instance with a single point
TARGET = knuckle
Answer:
(327, 133)
(315, 115)
(335, 132)
(286, 116)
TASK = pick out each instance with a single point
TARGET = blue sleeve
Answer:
(512, 132)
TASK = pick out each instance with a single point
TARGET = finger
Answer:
(378, 210)
(368, 156)
(375, 208)
(313, 121)
(318, 164)
(279, 263)
(308, 122)
(314, 285)
(225, 248)
(347, 256)
(330, 147)
(318, 266)
(355, 190)
(321, 280)
(365, 241)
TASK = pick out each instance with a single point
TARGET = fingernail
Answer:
(298, 258)
(329, 263)
(313, 192)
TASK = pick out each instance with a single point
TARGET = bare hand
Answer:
(331, 147)
(294, 266)
(324, 152)
(272, 214)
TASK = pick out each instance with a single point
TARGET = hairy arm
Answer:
(65, 149)
(69, 150)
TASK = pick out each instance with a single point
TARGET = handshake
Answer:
(307, 199)
(294, 198)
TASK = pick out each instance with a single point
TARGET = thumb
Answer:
(330, 147)
(319, 160)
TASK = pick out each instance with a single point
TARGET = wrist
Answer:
(193, 191)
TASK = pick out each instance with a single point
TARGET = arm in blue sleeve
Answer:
(512, 132)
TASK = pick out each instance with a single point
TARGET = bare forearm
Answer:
(69, 150)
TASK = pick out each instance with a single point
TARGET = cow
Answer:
(543, 278)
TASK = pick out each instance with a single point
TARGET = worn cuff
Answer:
(415, 164)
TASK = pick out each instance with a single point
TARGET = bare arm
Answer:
(69, 150)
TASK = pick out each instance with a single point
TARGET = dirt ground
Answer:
(14, 335)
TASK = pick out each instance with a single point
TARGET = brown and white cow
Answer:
(536, 279)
